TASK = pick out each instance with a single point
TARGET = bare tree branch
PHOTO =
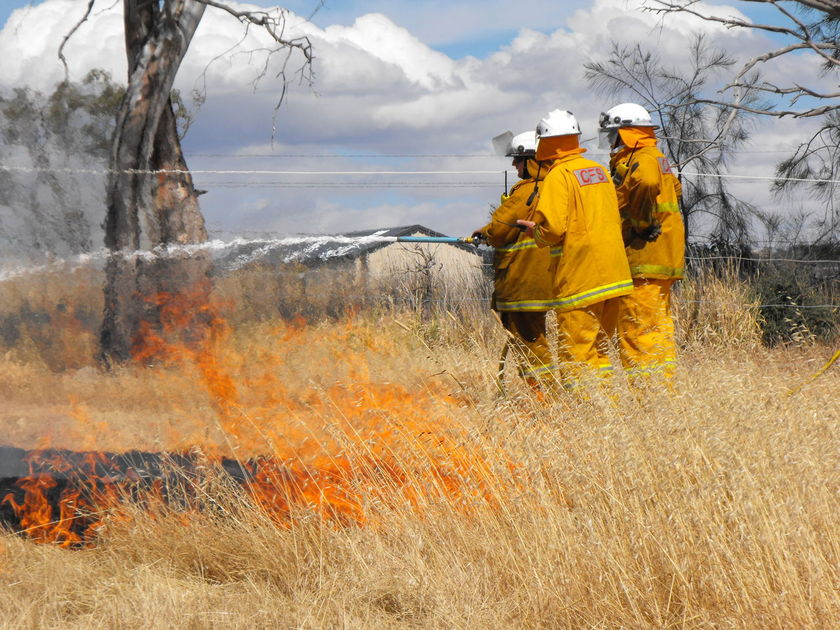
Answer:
(694, 134)
(273, 24)
(797, 90)
(809, 36)
(67, 37)
(778, 113)
(829, 7)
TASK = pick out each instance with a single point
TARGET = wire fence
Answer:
(711, 306)
(358, 173)
(331, 268)
(820, 272)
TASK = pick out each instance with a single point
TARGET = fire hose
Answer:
(819, 372)
(464, 240)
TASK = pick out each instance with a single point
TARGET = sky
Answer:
(395, 128)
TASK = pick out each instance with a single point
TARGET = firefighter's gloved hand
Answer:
(651, 233)
(478, 237)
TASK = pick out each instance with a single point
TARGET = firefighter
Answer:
(576, 216)
(654, 238)
(522, 287)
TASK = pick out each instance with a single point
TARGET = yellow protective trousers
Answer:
(528, 328)
(582, 342)
(645, 328)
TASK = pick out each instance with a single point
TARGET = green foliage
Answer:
(77, 116)
(50, 209)
(792, 314)
(96, 99)
(799, 300)
(184, 116)
(796, 287)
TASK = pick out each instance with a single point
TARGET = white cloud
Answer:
(31, 38)
(380, 88)
(445, 23)
(382, 39)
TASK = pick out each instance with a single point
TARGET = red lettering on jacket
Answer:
(591, 175)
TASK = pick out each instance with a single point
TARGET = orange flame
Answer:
(334, 446)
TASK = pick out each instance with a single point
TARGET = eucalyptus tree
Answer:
(151, 203)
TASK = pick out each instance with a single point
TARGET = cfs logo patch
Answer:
(664, 166)
(591, 175)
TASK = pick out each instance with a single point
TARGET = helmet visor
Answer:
(607, 138)
(501, 143)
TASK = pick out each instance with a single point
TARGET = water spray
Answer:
(306, 247)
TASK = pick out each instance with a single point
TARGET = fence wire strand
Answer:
(107, 171)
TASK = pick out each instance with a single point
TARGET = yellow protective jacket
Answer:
(578, 211)
(522, 281)
(649, 192)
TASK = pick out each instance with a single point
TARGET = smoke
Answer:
(48, 209)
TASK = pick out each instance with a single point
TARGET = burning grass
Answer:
(384, 484)
(324, 444)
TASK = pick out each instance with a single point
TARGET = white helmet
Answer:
(623, 115)
(520, 145)
(558, 122)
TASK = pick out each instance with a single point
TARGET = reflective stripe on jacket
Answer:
(578, 211)
(650, 192)
(522, 281)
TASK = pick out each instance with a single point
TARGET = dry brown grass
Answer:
(710, 506)
(716, 310)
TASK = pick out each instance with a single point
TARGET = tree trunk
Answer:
(145, 209)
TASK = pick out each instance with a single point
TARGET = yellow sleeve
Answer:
(501, 231)
(552, 213)
(677, 186)
(644, 183)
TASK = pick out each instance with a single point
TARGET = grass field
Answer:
(710, 505)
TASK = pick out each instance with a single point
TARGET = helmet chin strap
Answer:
(619, 145)
(536, 184)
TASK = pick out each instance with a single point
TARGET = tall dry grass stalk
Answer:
(715, 308)
(712, 504)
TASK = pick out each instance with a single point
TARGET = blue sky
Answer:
(413, 86)
(469, 36)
